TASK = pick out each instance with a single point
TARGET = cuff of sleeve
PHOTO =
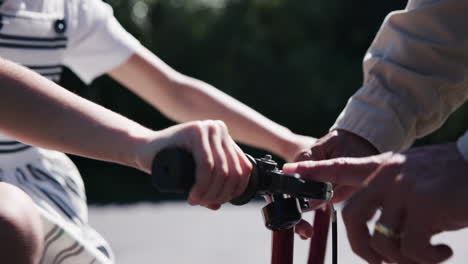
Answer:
(462, 145)
(378, 126)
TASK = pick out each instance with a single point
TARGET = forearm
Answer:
(39, 112)
(414, 75)
(246, 125)
(183, 99)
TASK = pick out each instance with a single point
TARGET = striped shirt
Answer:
(46, 36)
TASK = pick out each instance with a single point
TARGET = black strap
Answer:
(334, 237)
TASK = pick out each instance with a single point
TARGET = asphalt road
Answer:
(178, 233)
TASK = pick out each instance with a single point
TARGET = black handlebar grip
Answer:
(173, 171)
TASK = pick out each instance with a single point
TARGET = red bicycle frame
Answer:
(283, 241)
(173, 170)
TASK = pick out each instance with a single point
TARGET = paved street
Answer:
(178, 233)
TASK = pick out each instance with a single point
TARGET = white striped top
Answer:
(46, 35)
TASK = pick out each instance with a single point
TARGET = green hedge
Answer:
(296, 61)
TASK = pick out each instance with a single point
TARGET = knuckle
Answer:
(212, 127)
(206, 165)
(221, 124)
(196, 128)
(223, 171)
(317, 152)
(246, 166)
(304, 155)
(239, 172)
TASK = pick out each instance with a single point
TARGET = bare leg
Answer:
(21, 231)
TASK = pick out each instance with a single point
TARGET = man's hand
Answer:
(337, 143)
(420, 192)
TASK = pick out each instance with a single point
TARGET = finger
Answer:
(355, 217)
(305, 155)
(304, 229)
(416, 245)
(213, 207)
(346, 171)
(204, 166)
(220, 172)
(235, 171)
(340, 193)
(392, 218)
(356, 213)
(246, 168)
(362, 207)
(316, 153)
(343, 192)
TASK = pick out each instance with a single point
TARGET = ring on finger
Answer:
(386, 231)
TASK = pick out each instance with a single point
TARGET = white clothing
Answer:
(92, 44)
(55, 185)
(46, 35)
(415, 76)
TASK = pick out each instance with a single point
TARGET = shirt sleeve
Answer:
(97, 42)
(414, 75)
(462, 145)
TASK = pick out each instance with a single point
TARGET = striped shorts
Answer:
(55, 185)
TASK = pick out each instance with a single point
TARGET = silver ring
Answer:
(386, 231)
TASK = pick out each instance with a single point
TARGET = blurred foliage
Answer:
(295, 61)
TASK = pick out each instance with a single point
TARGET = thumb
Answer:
(416, 244)
(347, 171)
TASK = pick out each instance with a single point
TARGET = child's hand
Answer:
(222, 169)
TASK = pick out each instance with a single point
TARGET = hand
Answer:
(420, 192)
(337, 143)
(296, 145)
(222, 169)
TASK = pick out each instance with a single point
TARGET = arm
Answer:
(414, 78)
(39, 112)
(183, 99)
(419, 193)
(415, 75)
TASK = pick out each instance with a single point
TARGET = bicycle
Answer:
(287, 195)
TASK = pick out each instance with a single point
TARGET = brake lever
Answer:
(173, 170)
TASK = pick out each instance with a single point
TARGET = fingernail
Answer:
(289, 167)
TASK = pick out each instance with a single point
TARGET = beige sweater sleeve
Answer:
(462, 145)
(415, 75)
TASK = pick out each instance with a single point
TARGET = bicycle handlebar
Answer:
(173, 170)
